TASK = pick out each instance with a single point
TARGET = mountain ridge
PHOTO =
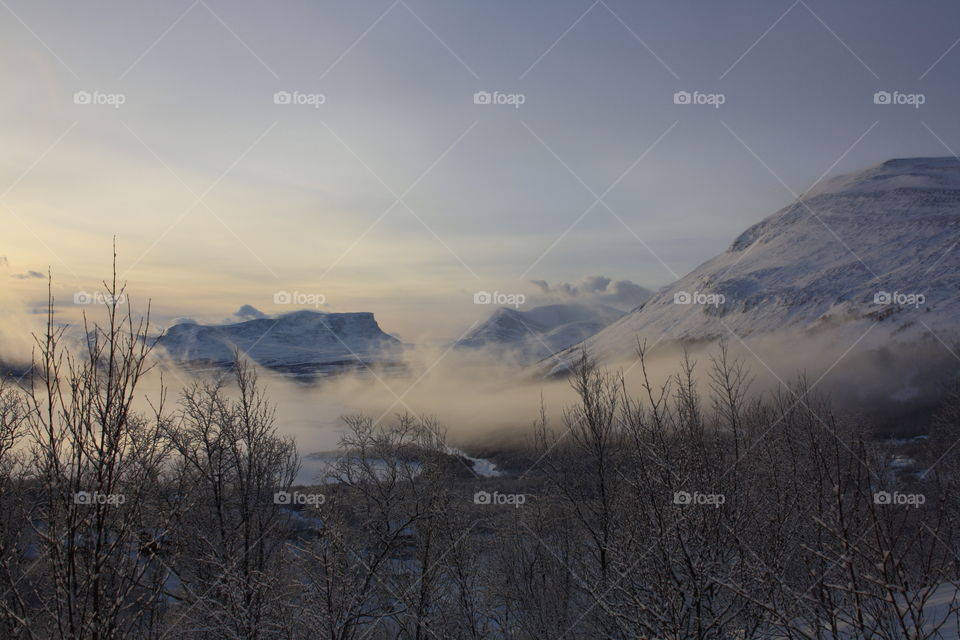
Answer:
(538, 332)
(869, 247)
(301, 343)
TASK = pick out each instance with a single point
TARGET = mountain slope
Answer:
(875, 246)
(537, 333)
(300, 343)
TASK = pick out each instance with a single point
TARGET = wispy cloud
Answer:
(622, 294)
(28, 275)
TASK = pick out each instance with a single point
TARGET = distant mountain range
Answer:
(301, 343)
(873, 250)
(313, 344)
(534, 334)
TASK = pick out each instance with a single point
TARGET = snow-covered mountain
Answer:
(875, 247)
(305, 343)
(535, 334)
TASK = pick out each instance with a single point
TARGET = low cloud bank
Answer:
(621, 294)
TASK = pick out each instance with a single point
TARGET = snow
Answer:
(322, 467)
(297, 342)
(817, 265)
(318, 467)
(482, 467)
(535, 334)
(939, 620)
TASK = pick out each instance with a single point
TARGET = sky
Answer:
(398, 156)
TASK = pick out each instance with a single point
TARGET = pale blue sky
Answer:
(294, 197)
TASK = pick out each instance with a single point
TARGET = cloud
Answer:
(244, 313)
(26, 275)
(622, 294)
(249, 312)
(29, 275)
(42, 310)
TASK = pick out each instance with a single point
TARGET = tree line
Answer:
(677, 510)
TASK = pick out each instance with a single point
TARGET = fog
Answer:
(485, 401)
(481, 400)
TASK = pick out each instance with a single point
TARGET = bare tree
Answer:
(230, 539)
(94, 494)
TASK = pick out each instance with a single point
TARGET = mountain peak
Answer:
(538, 332)
(835, 264)
(303, 342)
(895, 174)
